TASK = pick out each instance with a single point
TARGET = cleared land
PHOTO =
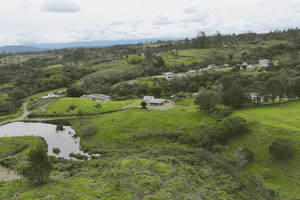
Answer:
(266, 124)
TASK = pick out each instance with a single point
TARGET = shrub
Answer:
(59, 127)
(243, 156)
(56, 150)
(281, 149)
(234, 125)
(87, 130)
(144, 104)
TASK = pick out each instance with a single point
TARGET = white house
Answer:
(148, 98)
(50, 95)
(169, 75)
(249, 68)
(264, 62)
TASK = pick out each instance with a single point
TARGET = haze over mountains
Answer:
(103, 43)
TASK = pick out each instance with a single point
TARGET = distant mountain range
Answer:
(103, 43)
(18, 48)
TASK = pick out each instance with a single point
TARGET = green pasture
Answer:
(86, 106)
(266, 124)
(118, 128)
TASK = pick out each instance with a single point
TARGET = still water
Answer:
(64, 140)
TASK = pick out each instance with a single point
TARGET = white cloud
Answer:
(190, 10)
(60, 6)
(36, 20)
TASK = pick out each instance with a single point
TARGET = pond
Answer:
(64, 140)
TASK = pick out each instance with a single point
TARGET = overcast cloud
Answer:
(55, 21)
(60, 6)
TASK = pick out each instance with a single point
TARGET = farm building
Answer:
(97, 97)
(264, 62)
(50, 95)
(148, 98)
(157, 102)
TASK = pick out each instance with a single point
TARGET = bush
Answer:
(56, 150)
(59, 127)
(234, 125)
(281, 149)
(74, 91)
(144, 104)
(243, 156)
(87, 130)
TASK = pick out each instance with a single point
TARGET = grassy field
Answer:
(267, 124)
(117, 129)
(138, 162)
(86, 106)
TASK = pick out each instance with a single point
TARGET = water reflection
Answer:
(64, 140)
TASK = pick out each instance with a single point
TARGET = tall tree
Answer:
(39, 168)
(274, 88)
(207, 100)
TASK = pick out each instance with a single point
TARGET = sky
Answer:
(61, 21)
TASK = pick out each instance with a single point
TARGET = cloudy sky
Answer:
(55, 21)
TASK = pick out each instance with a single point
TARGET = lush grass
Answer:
(12, 116)
(133, 167)
(14, 150)
(86, 106)
(267, 124)
(148, 81)
(118, 128)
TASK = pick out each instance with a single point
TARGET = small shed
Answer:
(157, 102)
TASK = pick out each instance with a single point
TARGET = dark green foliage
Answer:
(234, 96)
(281, 149)
(59, 127)
(221, 111)
(56, 150)
(234, 125)
(78, 156)
(274, 87)
(134, 60)
(39, 166)
(75, 91)
(207, 100)
(144, 104)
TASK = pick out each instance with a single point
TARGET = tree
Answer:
(144, 104)
(39, 168)
(234, 96)
(73, 107)
(74, 91)
(207, 100)
(274, 88)
(281, 149)
(98, 105)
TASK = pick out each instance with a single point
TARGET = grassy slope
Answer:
(266, 124)
(116, 129)
(153, 168)
(85, 105)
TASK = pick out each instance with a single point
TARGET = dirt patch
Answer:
(166, 106)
